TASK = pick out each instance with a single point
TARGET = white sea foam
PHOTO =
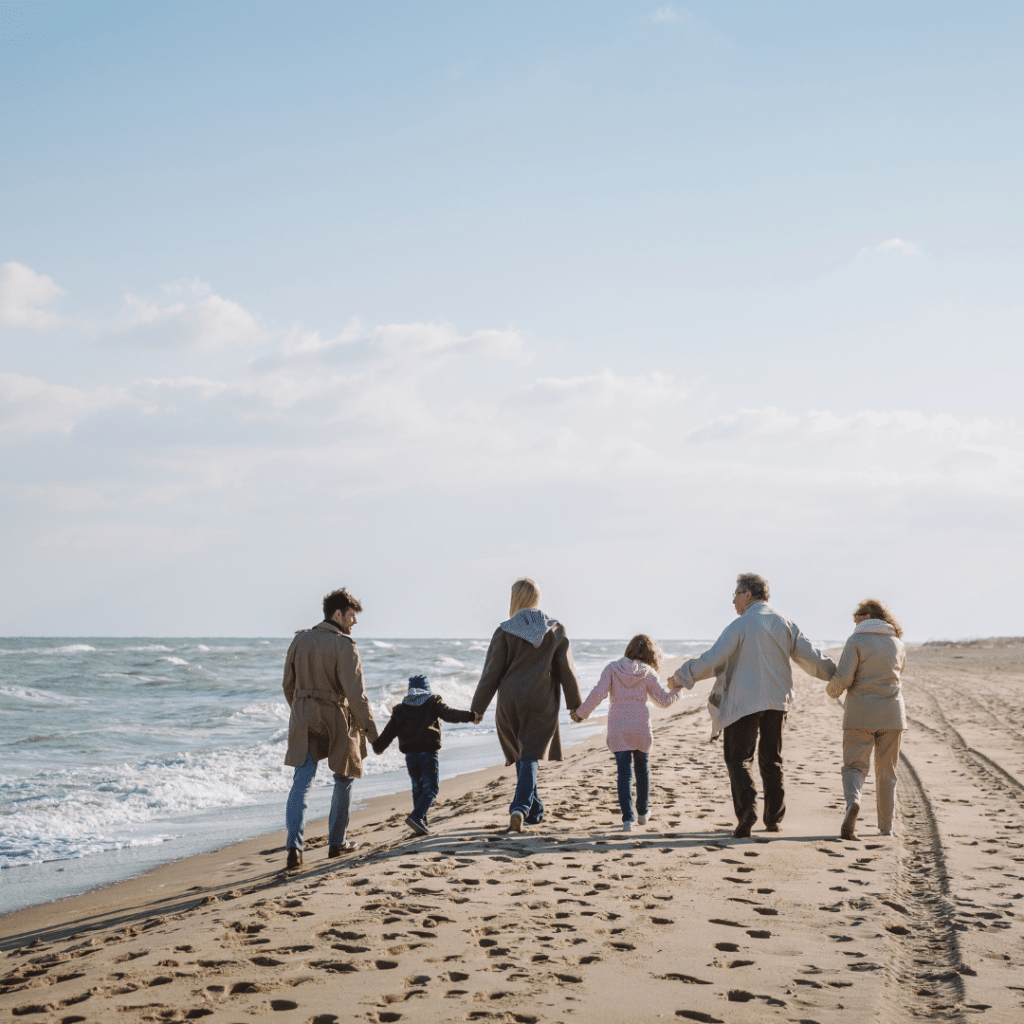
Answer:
(173, 660)
(381, 643)
(34, 696)
(148, 647)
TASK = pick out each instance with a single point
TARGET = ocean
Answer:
(119, 754)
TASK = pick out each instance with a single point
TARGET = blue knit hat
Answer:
(419, 690)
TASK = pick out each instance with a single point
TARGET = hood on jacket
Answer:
(529, 624)
(629, 673)
(874, 626)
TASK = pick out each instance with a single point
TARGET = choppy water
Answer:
(167, 747)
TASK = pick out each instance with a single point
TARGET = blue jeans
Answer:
(526, 801)
(295, 809)
(425, 774)
(625, 761)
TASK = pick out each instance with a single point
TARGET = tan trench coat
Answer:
(331, 716)
(529, 682)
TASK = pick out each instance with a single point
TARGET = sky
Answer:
(418, 298)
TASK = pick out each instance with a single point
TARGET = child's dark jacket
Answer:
(417, 726)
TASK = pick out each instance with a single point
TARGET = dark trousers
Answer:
(740, 739)
(425, 775)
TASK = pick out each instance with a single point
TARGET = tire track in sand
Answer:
(923, 976)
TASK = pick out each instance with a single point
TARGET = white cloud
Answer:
(665, 15)
(31, 406)
(892, 247)
(24, 296)
(194, 318)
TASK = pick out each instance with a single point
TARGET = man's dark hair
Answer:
(756, 586)
(340, 601)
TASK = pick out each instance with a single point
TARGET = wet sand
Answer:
(576, 920)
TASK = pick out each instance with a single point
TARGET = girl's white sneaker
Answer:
(642, 819)
(627, 826)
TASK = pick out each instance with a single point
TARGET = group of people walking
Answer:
(529, 669)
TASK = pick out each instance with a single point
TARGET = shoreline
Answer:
(575, 919)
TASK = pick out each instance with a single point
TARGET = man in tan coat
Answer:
(330, 717)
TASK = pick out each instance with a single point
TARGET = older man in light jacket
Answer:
(330, 718)
(751, 662)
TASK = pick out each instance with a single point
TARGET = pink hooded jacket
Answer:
(629, 683)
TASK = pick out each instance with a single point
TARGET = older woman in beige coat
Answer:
(529, 666)
(873, 713)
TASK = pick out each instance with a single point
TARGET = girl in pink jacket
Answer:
(629, 682)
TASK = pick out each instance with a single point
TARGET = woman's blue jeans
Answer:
(626, 761)
(295, 809)
(425, 776)
(526, 801)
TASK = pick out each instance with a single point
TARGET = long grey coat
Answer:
(331, 716)
(527, 680)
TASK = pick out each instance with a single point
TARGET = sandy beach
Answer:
(574, 919)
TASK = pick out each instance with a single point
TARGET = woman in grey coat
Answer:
(529, 666)
(873, 714)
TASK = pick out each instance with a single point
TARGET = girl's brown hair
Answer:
(876, 610)
(643, 648)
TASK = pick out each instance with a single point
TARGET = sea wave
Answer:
(34, 696)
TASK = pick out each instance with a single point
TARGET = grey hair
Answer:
(756, 586)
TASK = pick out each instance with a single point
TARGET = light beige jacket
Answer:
(869, 671)
(331, 716)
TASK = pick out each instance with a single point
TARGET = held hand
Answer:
(477, 718)
(575, 717)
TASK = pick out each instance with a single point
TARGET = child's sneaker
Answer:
(642, 819)
(419, 827)
(515, 822)
(627, 826)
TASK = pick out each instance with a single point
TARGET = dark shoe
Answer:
(775, 827)
(850, 821)
(746, 823)
(418, 826)
(294, 860)
(337, 851)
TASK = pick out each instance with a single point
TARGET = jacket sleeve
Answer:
(494, 669)
(711, 663)
(563, 668)
(289, 674)
(350, 677)
(810, 659)
(847, 671)
(662, 697)
(452, 714)
(597, 694)
(383, 741)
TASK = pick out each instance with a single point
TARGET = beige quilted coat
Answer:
(331, 716)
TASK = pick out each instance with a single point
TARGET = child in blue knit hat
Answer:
(417, 724)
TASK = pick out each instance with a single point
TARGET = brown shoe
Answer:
(745, 824)
(294, 859)
(337, 851)
(850, 821)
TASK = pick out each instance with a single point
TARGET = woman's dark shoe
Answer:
(417, 825)
(294, 860)
(337, 851)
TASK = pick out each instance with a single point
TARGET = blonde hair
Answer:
(877, 610)
(525, 594)
(643, 648)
